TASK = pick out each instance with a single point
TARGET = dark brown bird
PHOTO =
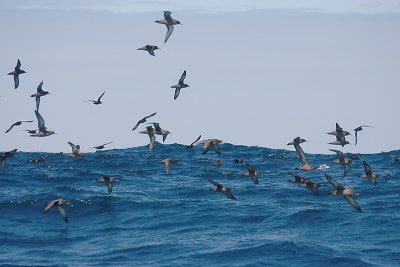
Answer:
(18, 123)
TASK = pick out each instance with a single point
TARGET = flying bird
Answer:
(371, 176)
(98, 101)
(304, 182)
(39, 94)
(169, 22)
(143, 120)
(17, 71)
(192, 144)
(18, 123)
(150, 132)
(159, 131)
(75, 151)
(340, 136)
(5, 155)
(300, 154)
(108, 181)
(341, 159)
(168, 162)
(149, 48)
(102, 146)
(360, 128)
(211, 143)
(57, 203)
(340, 190)
(180, 85)
(252, 173)
(42, 128)
(221, 188)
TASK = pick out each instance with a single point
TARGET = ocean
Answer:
(156, 219)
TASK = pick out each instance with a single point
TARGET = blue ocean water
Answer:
(156, 219)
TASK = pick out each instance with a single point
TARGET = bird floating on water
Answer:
(17, 71)
(169, 22)
(75, 151)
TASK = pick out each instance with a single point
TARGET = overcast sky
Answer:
(260, 72)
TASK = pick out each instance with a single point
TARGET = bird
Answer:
(300, 153)
(211, 143)
(159, 131)
(323, 167)
(18, 123)
(360, 128)
(17, 71)
(340, 190)
(340, 136)
(252, 173)
(5, 155)
(304, 182)
(98, 101)
(217, 163)
(150, 132)
(102, 146)
(39, 159)
(30, 131)
(57, 203)
(169, 22)
(39, 94)
(180, 85)
(42, 129)
(371, 176)
(192, 144)
(75, 151)
(149, 48)
(296, 178)
(341, 159)
(239, 161)
(168, 162)
(221, 188)
(143, 120)
(108, 181)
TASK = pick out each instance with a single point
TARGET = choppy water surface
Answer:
(155, 219)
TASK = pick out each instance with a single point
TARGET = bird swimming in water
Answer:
(168, 162)
(39, 94)
(340, 190)
(102, 146)
(252, 173)
(217, 163)
(75, 151)
(180, 85)
(57, 203)
(39, 159)
(369, 174)
(360, 128)
(149, 48)
(143, 120)
(192, 144)
(211, 143)
(42, 128)
(340, 136)
(238, 161)
(159, 131)
(98, 101)
(221, 188)
(5, 155)
(341, 159)
(169, 22)
(17, 71)
(18, 123)
(300, 154)
(108, 181)
(150, 132)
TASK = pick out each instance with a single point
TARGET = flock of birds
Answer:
(154, 129)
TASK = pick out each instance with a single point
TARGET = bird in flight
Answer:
(360, 128)
(169, 22)
(18, 123)
(98, 101)
(180, 85)
(38, 94)
(17, 71)
(143, 120)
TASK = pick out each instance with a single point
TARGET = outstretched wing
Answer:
(63, 213)
(37, 102)
(300, 153)
(101, 96)
(137, 125)
(367, 168)
(9, 129)
(167, 15)
(214, 183)
(151, 115)
(177, 91)
(39, 88)
(229, 195)
(75, 149)
(334, 183)
(16, 80)
(40, 119)
(353, 203)
(18, 64)
(170, 29)
(182, 77)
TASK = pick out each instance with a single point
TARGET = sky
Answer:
(260, 72)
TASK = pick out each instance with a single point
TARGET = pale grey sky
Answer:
(260, 74)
